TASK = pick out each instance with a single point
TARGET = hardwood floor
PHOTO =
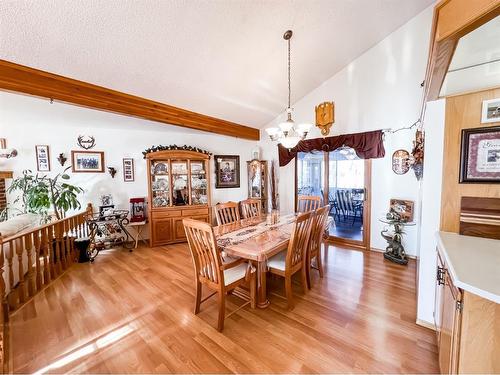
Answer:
(133, 312)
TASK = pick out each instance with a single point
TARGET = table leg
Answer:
(262, 301)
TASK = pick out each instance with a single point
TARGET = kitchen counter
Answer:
(473, 262)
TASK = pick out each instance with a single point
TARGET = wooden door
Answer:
(450, 327)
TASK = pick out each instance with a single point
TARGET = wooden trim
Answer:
(425, 324)
(6, 174)
(23, 79)
(452, 20)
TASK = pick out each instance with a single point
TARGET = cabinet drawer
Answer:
(195, 212)
(162, 214)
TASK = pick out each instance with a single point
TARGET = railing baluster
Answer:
(10, 257)
(45, 246)
(56, 249)
(52, 252)
(69, 255)
(38, 253)
(4, 313)
(62, 245)
(28, 243)
(21, 289)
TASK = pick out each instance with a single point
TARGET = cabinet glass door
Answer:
(160, 184)
(256, 180)
(180, 189)
(199, 192)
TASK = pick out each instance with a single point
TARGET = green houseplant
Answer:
(39, 193)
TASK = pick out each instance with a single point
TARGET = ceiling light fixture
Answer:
(288, 133)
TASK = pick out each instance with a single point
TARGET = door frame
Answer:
(365, 244)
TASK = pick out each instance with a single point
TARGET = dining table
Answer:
(256, 239)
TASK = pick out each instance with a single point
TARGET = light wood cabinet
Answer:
(179, 188)
(449, 306)
(467, 327)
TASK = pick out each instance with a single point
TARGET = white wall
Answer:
(27, 121)
(380, 89)
(431, 207)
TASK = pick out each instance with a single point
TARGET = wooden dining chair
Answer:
(317, 233)
(227, 213)
(212, 272)
(293, 260)
(251, 208)
(308, 203)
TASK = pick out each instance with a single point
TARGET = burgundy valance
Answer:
(368, 145)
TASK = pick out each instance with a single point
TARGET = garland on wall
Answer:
(176, 148)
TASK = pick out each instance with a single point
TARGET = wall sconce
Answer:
(325, 117)
(5, 152)
(62, 159)
(112, 171)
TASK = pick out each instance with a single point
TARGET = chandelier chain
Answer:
(289, 80)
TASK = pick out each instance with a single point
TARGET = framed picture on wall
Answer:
(480, 155)
(87, 161)
(128, 170)
(42, 158)
(227, 171)
(491, 111)
(403, 207)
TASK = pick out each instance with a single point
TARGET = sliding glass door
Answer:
(310, 174)
(342, 180)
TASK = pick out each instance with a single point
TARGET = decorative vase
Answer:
(275, 216)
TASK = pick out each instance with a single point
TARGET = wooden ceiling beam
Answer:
(26, 80)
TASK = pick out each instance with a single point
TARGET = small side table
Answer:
(395, 252)
(138, 228)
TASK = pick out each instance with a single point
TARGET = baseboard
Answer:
(426, 324)
(383, 251)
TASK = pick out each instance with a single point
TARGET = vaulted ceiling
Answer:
(224, 58)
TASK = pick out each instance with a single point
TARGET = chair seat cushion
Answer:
(277, 261)
(235, 273)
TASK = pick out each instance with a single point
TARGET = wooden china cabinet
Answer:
(179, 188)
(257, 181)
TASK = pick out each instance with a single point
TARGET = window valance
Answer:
(368, 145)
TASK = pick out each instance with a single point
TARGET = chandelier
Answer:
(288, 133)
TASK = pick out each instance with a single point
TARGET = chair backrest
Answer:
(308, 203)
(204, 251)
(299, 240)
(227, 213)
(318, 227)
(344, 200)
(250, 208)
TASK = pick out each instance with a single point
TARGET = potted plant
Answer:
(39, 193)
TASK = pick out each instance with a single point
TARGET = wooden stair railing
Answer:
(42, 254)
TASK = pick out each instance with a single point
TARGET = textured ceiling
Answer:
(224, 58)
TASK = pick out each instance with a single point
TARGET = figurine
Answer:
(394, 251)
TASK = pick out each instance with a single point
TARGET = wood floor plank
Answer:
(133, 313)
